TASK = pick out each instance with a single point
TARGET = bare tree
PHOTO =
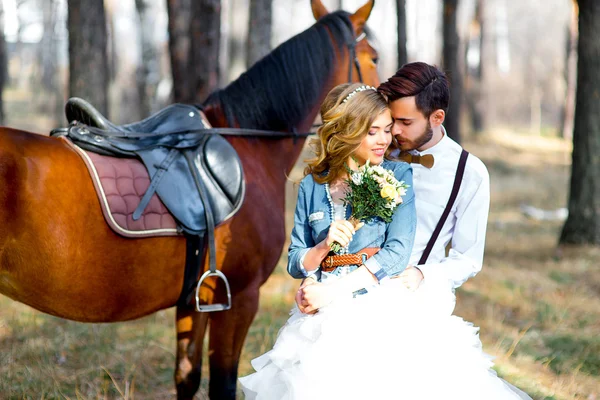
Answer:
(88, 62)
(259, 30)
(476, 51)
(179, 47)
(194, 39)
(147, 72)
(452, 65)
(583, 224)
(568, 112)
(52, 102)
(205, 34)
(401, 14)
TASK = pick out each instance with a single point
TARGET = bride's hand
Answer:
(340, 231)
(318, 295)
(300, 301)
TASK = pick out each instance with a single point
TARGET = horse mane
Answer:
(279, 91)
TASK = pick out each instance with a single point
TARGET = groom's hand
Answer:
(411, 277)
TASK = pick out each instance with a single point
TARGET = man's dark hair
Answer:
(428, 84)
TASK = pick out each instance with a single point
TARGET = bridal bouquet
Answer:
(373, 191)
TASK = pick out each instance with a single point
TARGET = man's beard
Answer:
(420, 141)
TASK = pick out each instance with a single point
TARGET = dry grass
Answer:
(539, 310)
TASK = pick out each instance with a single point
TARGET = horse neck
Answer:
(281, 153)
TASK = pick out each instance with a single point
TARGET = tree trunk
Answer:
(3, 64)
(451, 62)
(583, 224)
(24, 75)
(474, 84)
(179, 48)
(53, 98)
(149, 64)
(259, 30)
(205, 33)
(88, 62)
(568, 113)
(401, 14)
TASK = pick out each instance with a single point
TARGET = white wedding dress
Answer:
(390, 343)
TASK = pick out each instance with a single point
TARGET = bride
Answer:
(360, 333)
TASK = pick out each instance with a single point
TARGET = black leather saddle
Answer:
(176, 146)
(197, 174)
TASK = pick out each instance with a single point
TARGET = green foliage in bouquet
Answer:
(373, 191)
(366, 201)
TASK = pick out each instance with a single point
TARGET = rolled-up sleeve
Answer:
(393, 257)
(301, 240)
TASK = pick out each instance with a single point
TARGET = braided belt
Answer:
(332, 262)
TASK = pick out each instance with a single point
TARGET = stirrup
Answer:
(213, 307)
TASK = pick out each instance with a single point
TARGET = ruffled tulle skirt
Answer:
(388, 344)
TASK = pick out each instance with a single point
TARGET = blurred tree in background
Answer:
(568, 112)
(88, 62)
(583, 224)
(259, 30)
(453, 66)
(194, 44)
(401, 17)
(179, 47)
(147, 74)
(205, 34)
(475, 52)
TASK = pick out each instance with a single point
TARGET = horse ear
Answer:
(360, 17)
(318, 9)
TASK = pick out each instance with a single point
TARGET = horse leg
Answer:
(191, 327)
(227, 334)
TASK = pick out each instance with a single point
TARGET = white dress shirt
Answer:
(466, 224)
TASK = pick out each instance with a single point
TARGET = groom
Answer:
(418, 96)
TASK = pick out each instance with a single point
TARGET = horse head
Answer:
(361, 57)
(283, 90)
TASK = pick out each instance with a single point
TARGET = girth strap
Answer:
(155, 180)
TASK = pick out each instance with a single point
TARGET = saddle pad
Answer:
(120, 184)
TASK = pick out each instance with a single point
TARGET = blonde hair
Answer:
(346, 121)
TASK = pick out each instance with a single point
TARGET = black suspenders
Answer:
(460, 171)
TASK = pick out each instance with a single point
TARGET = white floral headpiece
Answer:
(359, 89)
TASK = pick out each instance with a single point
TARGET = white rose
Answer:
(379, 170)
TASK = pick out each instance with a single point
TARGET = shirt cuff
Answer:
(301, 266)
(375, 268)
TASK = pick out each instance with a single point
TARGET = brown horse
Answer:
(59, 256)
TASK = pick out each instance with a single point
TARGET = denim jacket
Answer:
(314, 214)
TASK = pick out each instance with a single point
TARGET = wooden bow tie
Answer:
(425, 160)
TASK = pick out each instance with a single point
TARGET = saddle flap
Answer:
(222, 162)
(220, 170)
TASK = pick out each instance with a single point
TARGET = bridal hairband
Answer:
(359, 89)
